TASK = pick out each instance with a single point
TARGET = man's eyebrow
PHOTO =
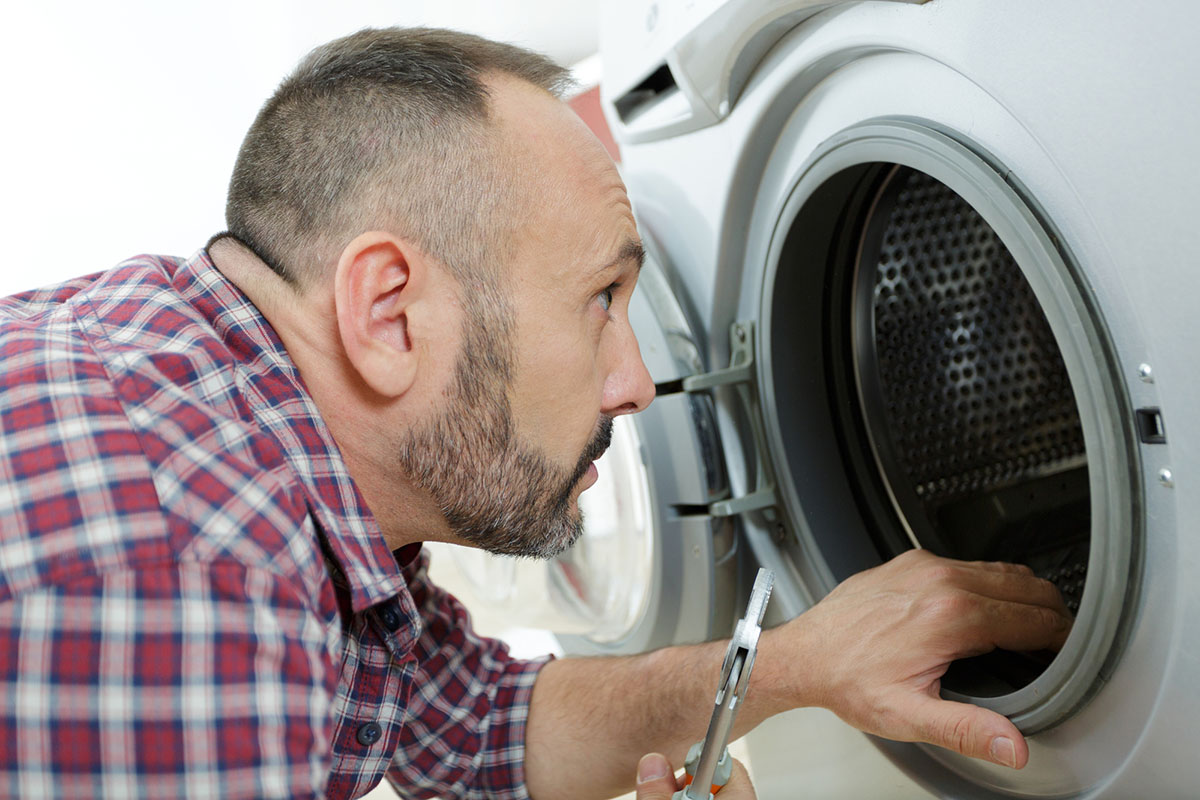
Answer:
(631, 250)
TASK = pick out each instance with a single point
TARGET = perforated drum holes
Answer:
(975, 390)
(952, 399)
(967, 399)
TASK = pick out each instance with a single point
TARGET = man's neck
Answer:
(305, 321)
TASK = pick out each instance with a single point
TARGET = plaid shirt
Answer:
(194, 599)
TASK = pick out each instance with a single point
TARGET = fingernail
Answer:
(652, 767)
(1003, 751)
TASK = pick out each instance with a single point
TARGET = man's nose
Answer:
(629, 387)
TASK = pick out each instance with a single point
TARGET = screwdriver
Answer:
(708, 764)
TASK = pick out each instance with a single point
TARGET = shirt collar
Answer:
(281, 403)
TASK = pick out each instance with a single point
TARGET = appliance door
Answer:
(935, 373)
(960, 241)
(954, 352)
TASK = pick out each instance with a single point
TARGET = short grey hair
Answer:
(384, 129)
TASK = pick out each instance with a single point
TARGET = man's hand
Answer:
(878, 645)
(873, 651)
(656, 781)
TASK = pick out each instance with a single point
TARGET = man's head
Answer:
(384, 129)
(477, 250)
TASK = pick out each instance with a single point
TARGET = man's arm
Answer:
(873, 651)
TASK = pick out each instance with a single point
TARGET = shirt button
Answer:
(369, 733)
(389, 617)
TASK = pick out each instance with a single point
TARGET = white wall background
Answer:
(120, 121)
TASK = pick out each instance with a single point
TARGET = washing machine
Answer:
(920, 274)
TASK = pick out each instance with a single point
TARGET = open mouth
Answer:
(586, 471)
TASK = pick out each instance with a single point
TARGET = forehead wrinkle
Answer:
(631, 250)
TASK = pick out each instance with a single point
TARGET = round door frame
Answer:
(1089, 654)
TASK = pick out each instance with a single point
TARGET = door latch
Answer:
(739, 376)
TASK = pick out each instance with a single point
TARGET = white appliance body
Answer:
(1070, 128)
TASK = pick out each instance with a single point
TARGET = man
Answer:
(217, 472)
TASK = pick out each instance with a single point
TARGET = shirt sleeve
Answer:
(464, 734)
(186, 679)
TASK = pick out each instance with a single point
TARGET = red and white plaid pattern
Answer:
(194, 599)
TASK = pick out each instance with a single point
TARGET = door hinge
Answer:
(740, 376)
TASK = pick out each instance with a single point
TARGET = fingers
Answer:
(970, 730)
(656, 781)
(997, 580)
(655, 778)
(955, 623)
(1017, 586)
(1017, 626)
(1002, 566)
(1005, 605)
(739, 787)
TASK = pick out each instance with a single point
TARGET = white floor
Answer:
(810, 753)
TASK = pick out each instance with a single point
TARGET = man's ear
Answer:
(378, 277)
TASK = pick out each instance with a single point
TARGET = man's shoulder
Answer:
(125, 439)
(126, 309)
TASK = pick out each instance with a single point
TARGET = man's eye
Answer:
(606, 297)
